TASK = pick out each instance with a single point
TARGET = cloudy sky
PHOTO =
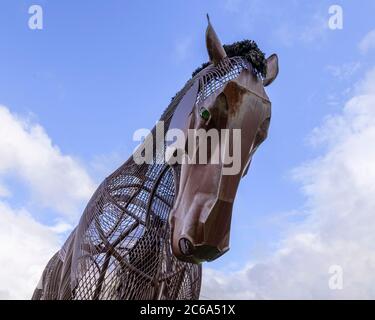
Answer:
(72, 94)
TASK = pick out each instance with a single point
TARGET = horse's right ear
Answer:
(272, 69)
(215, 49)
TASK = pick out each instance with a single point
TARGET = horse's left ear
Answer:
(272, 69)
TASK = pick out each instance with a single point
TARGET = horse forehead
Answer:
(252, 83)
(238, 91)
(246, 79)
(212, 82)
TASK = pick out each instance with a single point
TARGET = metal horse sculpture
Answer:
(148, 227)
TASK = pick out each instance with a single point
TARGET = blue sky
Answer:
(99, 70)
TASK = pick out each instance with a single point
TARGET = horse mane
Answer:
(247, 49)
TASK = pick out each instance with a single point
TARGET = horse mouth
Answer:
(196, 254)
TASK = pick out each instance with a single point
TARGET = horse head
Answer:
(226, 96)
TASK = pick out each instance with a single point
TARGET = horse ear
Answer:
(215, 49)
(272, 69)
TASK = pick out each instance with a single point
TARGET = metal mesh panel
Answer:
(125, 251)
(216, 77)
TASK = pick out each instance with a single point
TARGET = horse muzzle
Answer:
(198, 236)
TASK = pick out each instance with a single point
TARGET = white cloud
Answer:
(55, 180)
(61, 227)
(344, 71)
(26, 246)
(340, 227)
(315, 29)
(368, 42)
(4, 191)
(103, 164)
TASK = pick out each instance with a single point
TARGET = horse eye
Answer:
(205, 114)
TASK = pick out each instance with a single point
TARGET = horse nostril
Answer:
(186, 247)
